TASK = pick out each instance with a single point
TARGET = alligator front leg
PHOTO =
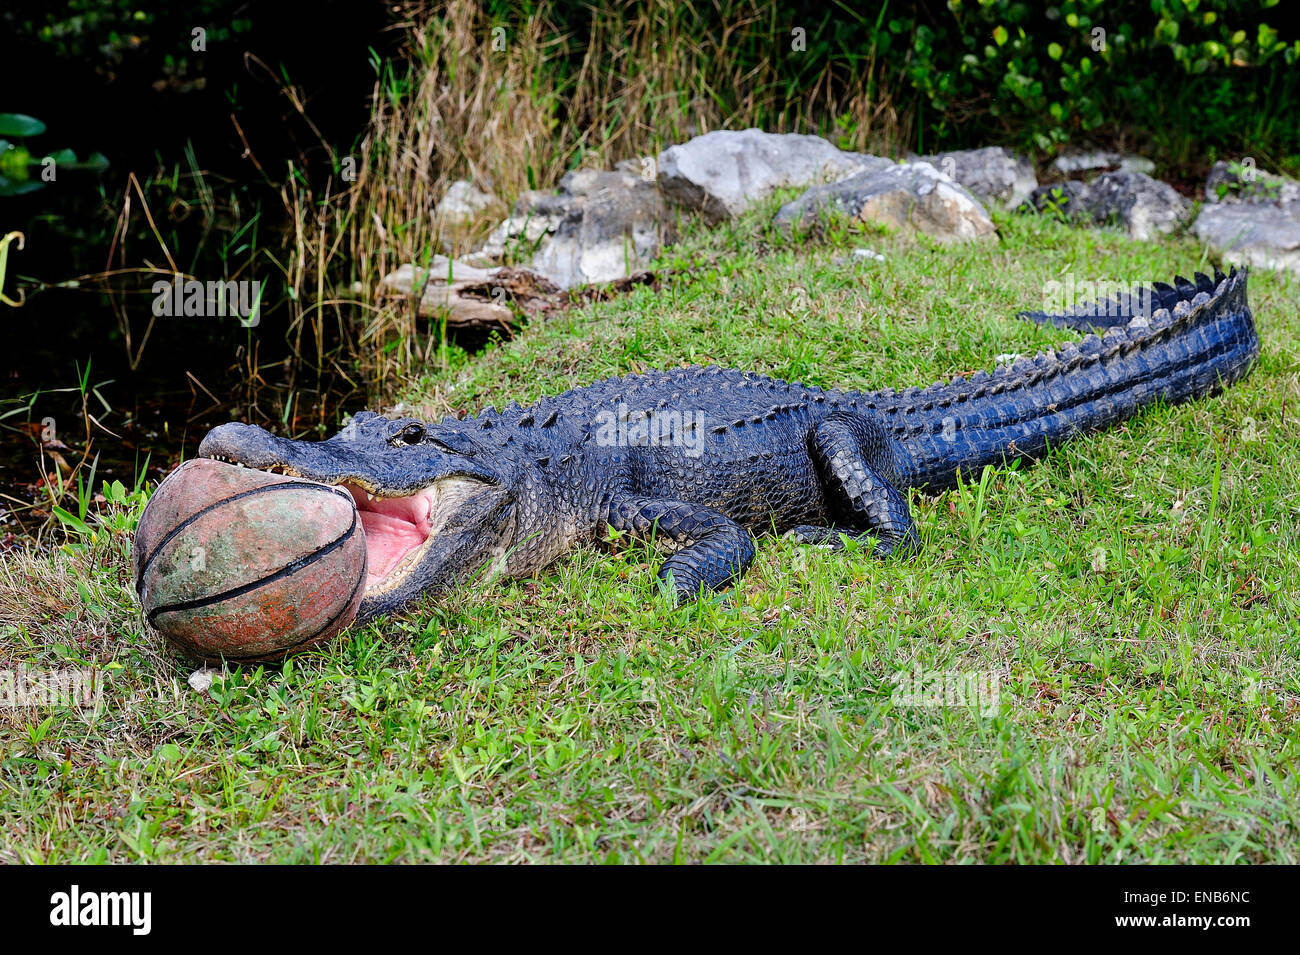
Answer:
(855, 462)
(713, 550)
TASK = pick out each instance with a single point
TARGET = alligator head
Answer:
(438, 503)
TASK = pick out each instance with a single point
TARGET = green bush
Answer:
(1214, 71)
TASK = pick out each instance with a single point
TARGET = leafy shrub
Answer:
(1214, 70)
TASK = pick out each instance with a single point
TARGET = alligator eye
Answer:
(411, 434)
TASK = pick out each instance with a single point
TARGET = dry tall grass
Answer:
(514, 104)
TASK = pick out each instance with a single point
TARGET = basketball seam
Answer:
(295, 565)
(275, 655)
(167, 538)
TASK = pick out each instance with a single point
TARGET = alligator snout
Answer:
(245, 444)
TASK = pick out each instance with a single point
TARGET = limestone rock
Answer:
(991, 174)
(1145, 207)
(1242, 182)
(903, 196)
(597, 227)
(1265, 235)
(720, 174)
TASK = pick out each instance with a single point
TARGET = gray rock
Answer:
(463, 202)
(1075, 161)
(900, 195)
(992, 174)
(1242, 182)
(1137, 164)
(597, 227)
(461, 213)
(1265, 235)
(720, 174)
(201, 680)
(518, 237)
(1144, 206)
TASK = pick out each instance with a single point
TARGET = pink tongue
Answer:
(388, 540)
(394, 527)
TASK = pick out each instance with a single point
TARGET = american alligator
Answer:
(701, 459)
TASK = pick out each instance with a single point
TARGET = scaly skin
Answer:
(702, 459)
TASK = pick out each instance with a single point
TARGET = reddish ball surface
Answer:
(241, 565)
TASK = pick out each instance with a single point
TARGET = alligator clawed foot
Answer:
(904, 545)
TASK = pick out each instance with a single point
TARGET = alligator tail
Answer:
(1117, 310)
(1196, 338)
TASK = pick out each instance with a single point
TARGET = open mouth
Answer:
(398, 530)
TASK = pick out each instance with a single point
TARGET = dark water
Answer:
(182, 122)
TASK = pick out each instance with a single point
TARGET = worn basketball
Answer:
(242, 565)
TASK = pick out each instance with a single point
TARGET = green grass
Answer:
(1135, 596)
